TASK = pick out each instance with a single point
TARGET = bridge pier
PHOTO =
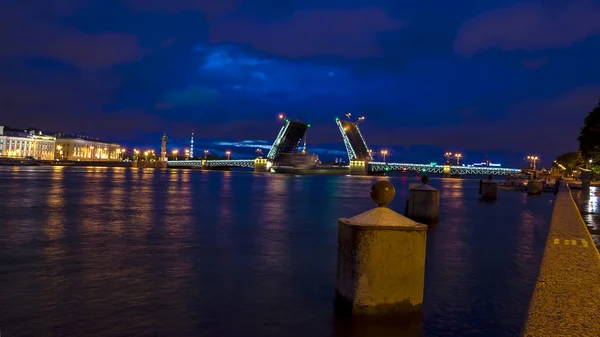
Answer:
(446, 173)
(358, 168)
(262, 165)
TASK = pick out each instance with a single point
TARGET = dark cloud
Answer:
(534, 64)
(529, 26)
(344, 32)
(38, 32)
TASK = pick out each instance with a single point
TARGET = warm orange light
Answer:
(281, 116)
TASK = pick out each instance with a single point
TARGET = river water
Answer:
(143, 252)
(589, 206)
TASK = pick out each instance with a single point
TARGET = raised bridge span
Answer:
(360, 157)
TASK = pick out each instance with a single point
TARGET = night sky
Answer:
(502, 78)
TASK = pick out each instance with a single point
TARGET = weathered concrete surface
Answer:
(566, 300)
(424, 204)
(489, 190)
(381, 264)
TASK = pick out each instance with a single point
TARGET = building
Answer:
(80, 148)
(26, 143)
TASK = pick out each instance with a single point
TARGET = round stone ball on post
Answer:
(380, 260)
(423, 202)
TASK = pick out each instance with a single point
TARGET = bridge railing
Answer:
(439, 169)
(247, 163)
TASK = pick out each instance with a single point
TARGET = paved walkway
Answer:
(566, 300)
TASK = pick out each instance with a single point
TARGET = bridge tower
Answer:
(359, 155)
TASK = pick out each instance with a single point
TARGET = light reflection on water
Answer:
(587, 201)
(137, 252)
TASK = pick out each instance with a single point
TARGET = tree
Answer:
(569, 161)
(594, 159)
(589, 137)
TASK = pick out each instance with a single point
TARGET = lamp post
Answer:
(175, 154)
(205, 153)
(589, 164)
(458, 156)
(228, 153)
(59, 148)
(360, 119)
(384, 154)
(348, 115)
(371, 154)
(187, 154)
(532, 161)
(259, 153)
(448, 155)
(281, 116)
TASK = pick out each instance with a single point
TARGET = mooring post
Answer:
(381, 260)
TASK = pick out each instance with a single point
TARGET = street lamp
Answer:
(205, 153)
(360, 119)
(532, 160)
(187, 154)
(259, 153)
(458, 156)
(175, 154)
(281, 116)
(371, 154)
(228, 153)
(384, 153)
(348, 115)
(448, 155)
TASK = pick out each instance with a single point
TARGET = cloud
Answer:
(209, 7)
(534, 64)
(342, 32)
(245, 75)
(529, 26)
(38, 32)
(191, 96)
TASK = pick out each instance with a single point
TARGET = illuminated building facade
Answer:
(27, 143)
(86, 149)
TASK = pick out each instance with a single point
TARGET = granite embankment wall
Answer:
(566, 300)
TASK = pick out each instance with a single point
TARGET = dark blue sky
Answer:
(506, 78)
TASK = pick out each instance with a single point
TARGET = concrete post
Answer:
(585, 184)
(534, 187)
(381, 260)
(489, 189)
(424, 203)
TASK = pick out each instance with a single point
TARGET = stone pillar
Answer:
(358, 168)
(585, 184)
(261, 165)
(489, 190)
(381, 260)
(534, 187)
(424, 203)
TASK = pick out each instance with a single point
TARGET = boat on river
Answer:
(514, 183)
